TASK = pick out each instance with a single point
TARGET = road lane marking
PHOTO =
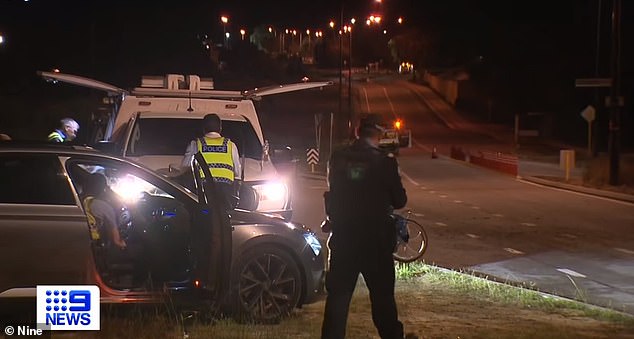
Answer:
(367, 102)
(418, 215)
(458, 201)
(513, 251)
(432, 192)
(571, 272)
(626, 251)
(498, 215)
(529, 224)
(390, 101)
(408, 178)
(473, 236)
(569, 236)
(418, 144)
(441, 224)
(626, 203)
(475, 207)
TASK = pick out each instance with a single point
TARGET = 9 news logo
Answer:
(64, 307)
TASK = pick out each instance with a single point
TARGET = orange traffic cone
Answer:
(433, 153)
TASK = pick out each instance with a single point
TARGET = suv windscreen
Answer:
(158, 136)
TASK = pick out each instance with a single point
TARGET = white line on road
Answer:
(626, 203)
(408, 178)
(367, 103)
(418, 215)
(571, 272)
(529, 224)
(498, 215)
(418, 144)
(513, 251)
(432, 192)
(569, 236)
(473, 236)
(458, 201)
(441, 224)
(442, 196)
(390, 101)
(626, 251)
(475, 207)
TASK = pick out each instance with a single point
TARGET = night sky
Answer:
(531, 42)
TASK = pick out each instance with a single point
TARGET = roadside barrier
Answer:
(506, 163)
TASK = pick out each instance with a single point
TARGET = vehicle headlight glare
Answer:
(271, 191)
(313, 242)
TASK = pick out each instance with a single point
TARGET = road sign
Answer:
(589, 113)
(312, 157)
(593, 82)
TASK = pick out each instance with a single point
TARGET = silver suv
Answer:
(256, 266)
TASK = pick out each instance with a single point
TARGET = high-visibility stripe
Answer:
(217, 153)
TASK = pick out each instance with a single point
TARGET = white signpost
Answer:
(312, 157)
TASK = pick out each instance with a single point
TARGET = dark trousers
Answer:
(377, 267)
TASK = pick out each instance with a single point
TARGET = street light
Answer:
(242, 33)
(224, 19)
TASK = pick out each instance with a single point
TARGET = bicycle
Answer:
(411, 239)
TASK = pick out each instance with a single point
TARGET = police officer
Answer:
(364, 187)
(220, 153)
(66, 132)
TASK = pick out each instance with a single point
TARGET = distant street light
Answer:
(242, 33)
(225, 20)
(400, 20)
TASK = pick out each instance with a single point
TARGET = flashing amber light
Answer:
(398, 124)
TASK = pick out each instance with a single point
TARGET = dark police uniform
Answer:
(364, 188)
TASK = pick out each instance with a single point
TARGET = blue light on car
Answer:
(313, 242)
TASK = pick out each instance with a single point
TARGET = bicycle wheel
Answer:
(415, 247)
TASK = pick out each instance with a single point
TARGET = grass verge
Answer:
(433, 303)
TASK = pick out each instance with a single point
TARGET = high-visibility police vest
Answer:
(92, 221)
(217, 153)
(57, 136)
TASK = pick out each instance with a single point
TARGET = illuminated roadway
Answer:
(567, 243)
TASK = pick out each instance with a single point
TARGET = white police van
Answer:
(154, 123)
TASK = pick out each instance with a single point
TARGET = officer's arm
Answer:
(237, 166)
(397, 191)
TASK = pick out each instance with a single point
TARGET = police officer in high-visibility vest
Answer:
(220, 153)
(66, 132)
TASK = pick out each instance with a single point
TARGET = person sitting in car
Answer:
(107, 216)
(102, 218)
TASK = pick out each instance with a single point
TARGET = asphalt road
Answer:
(561, 242)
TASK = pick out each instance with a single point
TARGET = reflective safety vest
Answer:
(217, 153)
(92, 221)
(57, 136)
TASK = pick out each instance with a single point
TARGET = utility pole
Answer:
(615, 100)
(341, 67)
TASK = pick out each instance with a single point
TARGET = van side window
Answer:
(34, 179)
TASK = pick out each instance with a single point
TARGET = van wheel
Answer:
(266, 284)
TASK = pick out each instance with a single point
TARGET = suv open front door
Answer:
(213, 243)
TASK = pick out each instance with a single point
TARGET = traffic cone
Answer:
(433, 153)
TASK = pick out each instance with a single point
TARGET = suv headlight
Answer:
(272, 193)
(313, 242)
